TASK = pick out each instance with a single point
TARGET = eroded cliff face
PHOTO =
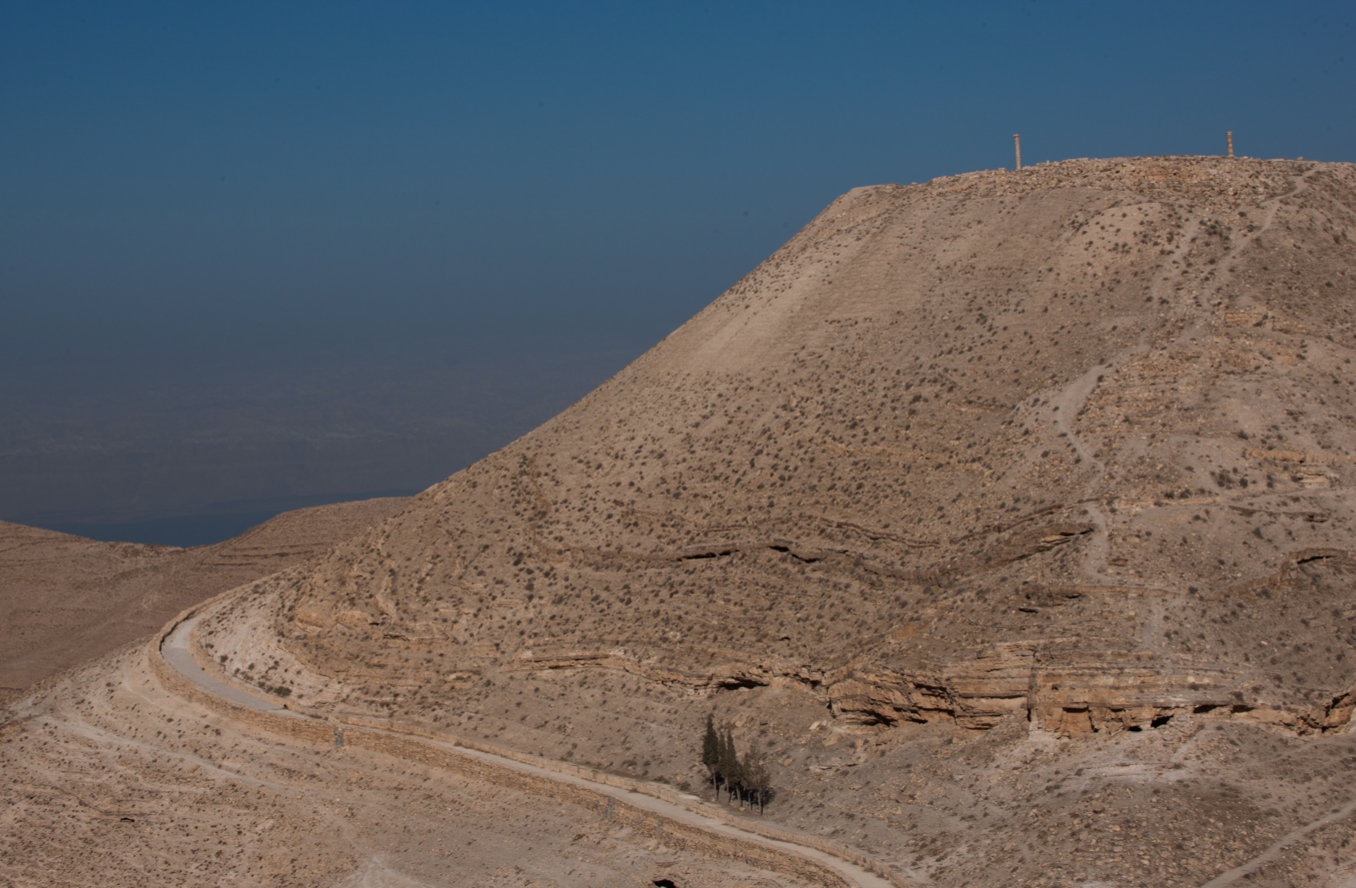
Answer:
(1072, 445)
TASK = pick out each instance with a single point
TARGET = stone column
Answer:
(1017, 140)
(1230, 137)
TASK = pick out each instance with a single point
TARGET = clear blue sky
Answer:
(185, 188)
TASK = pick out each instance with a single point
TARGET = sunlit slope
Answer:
(1074, 442)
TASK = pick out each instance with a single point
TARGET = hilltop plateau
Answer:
(1009, 512)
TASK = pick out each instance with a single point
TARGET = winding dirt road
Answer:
(176, 649)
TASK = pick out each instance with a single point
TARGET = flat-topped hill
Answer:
(1069, 449)
(1073, 440)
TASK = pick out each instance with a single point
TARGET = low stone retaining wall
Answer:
(294, 727)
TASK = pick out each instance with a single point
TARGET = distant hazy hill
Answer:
(66, 600)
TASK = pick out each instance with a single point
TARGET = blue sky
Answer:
(186, 189)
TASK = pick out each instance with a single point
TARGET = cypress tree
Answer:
(711, 754)
(756, 775)
(729, 765)
(722, 762)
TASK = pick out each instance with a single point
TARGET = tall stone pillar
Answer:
(1017, 141)
(1230, 137)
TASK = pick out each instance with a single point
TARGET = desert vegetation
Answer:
(745, 777)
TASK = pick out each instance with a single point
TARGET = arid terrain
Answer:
(1010, 513)
(66, 600)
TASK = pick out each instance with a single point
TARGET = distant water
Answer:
(185, 531)
(214, 525)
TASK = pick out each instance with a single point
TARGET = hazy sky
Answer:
(202, 205)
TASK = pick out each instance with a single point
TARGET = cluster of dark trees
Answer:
(744, 777)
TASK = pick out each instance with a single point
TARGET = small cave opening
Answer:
(1160, 721)
(801, 557)
(872, 718)
(665, 883)
(733, 683)
(712, 552)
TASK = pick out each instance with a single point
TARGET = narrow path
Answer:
(675, 812)
(177, 652)
(1247, 869)
(1273, 206)
(1069, 399)
(322, 804)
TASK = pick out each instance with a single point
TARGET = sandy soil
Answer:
(66, 600)
(1010, 512)
(111, 781)
(181, 654)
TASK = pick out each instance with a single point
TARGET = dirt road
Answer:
(177, 652)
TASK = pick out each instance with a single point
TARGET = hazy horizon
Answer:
(291, 255)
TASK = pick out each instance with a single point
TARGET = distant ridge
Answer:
(65, 600)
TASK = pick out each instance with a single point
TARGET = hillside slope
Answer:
(66, 600)
(1069, 449)
(1085, 411)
